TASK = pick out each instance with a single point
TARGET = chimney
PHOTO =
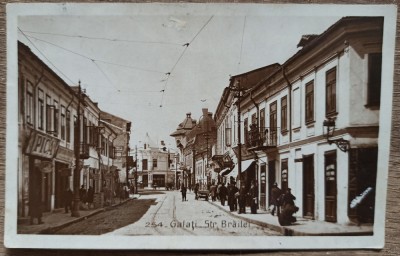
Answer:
(188, 115)
(205, 111)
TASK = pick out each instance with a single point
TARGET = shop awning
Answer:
(247, 164)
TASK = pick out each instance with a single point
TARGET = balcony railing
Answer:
(262, 138)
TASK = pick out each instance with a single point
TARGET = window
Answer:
(29, 103)
(331, 92)
(84, 126)
(284, 114)
(273, 123)
(374, 79)
(310, 102)
(154, 163)
(68, 126)
(246, 130)
(40, 110)
(56, 118)
(254, 118)
(262, 118)
(144, 164)
(62, 122)
(49, 110)
(228, 135)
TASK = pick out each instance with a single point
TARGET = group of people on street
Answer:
(86, 198)
(283, 204)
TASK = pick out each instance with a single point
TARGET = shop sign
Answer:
(42, 145)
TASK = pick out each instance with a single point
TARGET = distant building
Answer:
(155, 163)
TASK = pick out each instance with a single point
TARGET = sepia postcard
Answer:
(198, 126)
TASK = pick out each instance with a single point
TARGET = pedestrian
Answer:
(183, 191)
(223, 192)
(242, 199)
(253, 193)
(288, 209)
(232, 201)
(196, 190)
(218, 188)
(90, 197)
(35, 205)
(213, 192)
(68, 196)
(82, 194)
(275, 194)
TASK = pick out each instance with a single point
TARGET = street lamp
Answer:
(341, 143)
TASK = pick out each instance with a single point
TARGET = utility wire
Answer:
(180, 57)
(27, 38)
(105, 75)
(95, 60)
(103, 38)
(241, 45)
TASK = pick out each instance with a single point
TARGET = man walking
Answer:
(183, 191)
(223, 192)
(68, 200)
(275, 194)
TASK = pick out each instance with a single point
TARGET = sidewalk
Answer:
(58, 219)
(303, 227)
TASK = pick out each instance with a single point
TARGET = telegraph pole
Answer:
(136, 169)
(77, 170)
(128, 131)
(239, 136)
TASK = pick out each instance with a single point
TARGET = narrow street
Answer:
(171, 216)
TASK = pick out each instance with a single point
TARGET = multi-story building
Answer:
(155, 164)
(48, 114)
(313, 124)
(195, 144)
(116, 174)
(185, 156)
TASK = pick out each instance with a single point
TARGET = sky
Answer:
(153, 69)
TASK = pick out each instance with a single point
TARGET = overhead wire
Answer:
(102, 38)
(95, 60)
(186, 45)
(241, 45)
(44, 56)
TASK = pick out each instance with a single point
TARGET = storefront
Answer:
(41, 150)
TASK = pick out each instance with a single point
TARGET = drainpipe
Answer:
(290, 103)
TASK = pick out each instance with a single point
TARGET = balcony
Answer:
(84, 151)
(261, 139)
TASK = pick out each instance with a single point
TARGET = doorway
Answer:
(330, 187)
(271, 177)
(308, 186)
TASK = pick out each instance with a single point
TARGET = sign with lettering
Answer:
(41, 144)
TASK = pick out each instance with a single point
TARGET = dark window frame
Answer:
(284, 114)
(330, 93)
(309, 102)
(40, 109)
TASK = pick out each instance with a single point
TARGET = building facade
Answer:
(47, 114)
(312, 125)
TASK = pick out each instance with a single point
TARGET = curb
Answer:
(291, 232)
(52, 230)
(260, 223)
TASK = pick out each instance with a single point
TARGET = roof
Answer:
(187, 125)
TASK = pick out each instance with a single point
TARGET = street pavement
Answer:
(171, 216)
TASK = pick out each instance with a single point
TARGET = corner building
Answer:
(313, 124)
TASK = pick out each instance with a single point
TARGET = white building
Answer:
(332, 82)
